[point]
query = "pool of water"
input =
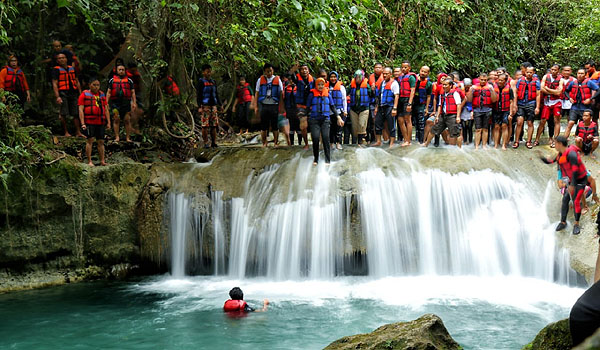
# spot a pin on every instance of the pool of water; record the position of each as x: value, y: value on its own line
x: 165, y: 313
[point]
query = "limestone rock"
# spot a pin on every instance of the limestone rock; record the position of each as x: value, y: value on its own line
x: 555, y: 336
x: 425, y: 333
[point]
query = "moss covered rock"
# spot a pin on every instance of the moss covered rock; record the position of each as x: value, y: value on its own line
x: 425, y: 333
x: 555, y: 336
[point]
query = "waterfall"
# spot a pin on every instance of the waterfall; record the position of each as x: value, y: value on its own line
x: 297, y: 221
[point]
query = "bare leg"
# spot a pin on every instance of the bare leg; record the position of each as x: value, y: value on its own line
x: 205, y: 136
x: 77, y: 123
x: 569, y: 127
x: 504, y: 136
x: 529, y: 131
x: 402, y: 126
x: 213, y: 135
x: 496, y: 135
x: 556, y: 126
x: 101, y: 152
x: 63, y: 121
x: 88, y: 150
x: 127, y: 127
x: 305, y: 138
x: 428, y: 125
x: 276, y: 137
x: 519, y: 129
x: 408, y: 137
x: 263, y: 136
x: 116, y: 123
x: 540, y: 130
x: 484, y: 137
x: 477, y: 138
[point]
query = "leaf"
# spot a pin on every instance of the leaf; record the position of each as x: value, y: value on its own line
x: 62, y: 3
x: 353, y: 10
x: 267, y: 35
x: 297, y: 4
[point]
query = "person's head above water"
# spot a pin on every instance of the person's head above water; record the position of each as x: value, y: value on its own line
x: 236, y: 293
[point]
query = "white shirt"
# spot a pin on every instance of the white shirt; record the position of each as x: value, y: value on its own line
x: 269, y: 100
x: 547, y: 101
x: 566, y: 103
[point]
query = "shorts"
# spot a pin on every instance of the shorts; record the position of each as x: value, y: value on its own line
x: 526, y: 112
x: 402, y: 104
x: 565, y: 113
x: 94, y: 131
x: 586, y: 148
x: 482, y: 119
x: 122, y: 107
x: 209, y: 117
x: 431, y: 118
x: 268, y: 117
x: 69, y: 104
x: 575, y: 115
x: 554, y: 111
x: 501, y: 117
x: 446, y: 121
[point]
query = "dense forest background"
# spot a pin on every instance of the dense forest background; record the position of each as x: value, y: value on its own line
x: 238, y: 36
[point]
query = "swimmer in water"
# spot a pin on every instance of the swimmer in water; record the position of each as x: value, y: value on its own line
x: 237, y: 303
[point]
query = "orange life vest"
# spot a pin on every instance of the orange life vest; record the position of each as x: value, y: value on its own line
x: 67, y: 80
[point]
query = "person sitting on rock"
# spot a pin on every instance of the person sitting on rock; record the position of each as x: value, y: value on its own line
x: 237, y: 304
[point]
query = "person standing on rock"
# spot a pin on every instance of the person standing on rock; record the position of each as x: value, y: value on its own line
x: 528, y: 102
x: 387, y: 107
x: 12, y: 79
x: 360, y: 97
x: 304, y: 83
x: 321, y: 106
x: 268, y: 103
x: 66, y: 90
x: 574, y: 176
x: 121, y: 94
x: 448, y: 113
x: 338, y: 94
x: 94, y: 116
x: 208, y: 104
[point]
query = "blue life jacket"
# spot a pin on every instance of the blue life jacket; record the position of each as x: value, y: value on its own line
x: 421, y: 88
x: 364, y: 94
x: 209, y: 93
x: 336, y: 95
x: 289, y: 97
x: 264, y: 87
x: 320, y: 107
x: 303, y: 89
x: 387, y: 95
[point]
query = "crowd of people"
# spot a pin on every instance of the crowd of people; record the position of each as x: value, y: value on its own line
x: 386, y: 105
x: 393, y: 106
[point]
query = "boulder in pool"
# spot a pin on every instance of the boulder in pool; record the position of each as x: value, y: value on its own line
x: 555, y: 336
x: 425, y: 333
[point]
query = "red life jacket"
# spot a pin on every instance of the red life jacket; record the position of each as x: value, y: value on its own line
x: 567, y: 168
x: 234, y: 305
x: 404, y: 82
x: 586, y: 92
x: 67, y: 80
x: 563, y: 95
x: 449, y: 101
x: 482, y: 97
x: 93, y: 108
x: 504, y: 100
x: 172, y: 88
x: 531, y: 86
x: 585, y: 131
x: 120, y: 85
x: 374, y: 82
x: 14, y: 81
x: 553, y: 85
x: 243, y: 93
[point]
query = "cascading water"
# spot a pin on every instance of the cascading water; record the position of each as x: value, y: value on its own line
x: 295, y: 221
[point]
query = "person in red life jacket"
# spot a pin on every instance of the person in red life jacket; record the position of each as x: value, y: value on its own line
x: 66, y: 90
x: 574, y: 175
x: 505, y: 108
x: 121, y: 95
x: 360, y: 100
x: 375, y: 80
x: 387, y: 107
x: 337, y: 91
x: 321, y: 107
x: 580, y: 92
x: 551, y: 87
x: 448, y: 112
x: 586, y: 134
x: 304, y: 83
x: 12, y: 79
x: 75, y: 60
x: 421, y: 102
x: 237, y: 304
x: 566, y: 73
x: 591, y: 72
x: 52, y: 61
x: 94, y: 117
x: 407, y: 83
x: 170, y: 87
x: 492, y: 77
x: 243, y: 103
x: 528, y: 104
x: 483, y: 97
x: 209, y: 103
x: 268, y: 103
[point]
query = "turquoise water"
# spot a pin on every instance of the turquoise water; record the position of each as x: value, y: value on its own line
x: 162, y: 313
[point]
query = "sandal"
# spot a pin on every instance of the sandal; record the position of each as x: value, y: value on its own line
x: 536, y: 143
x: 515, y: 145
x: 528, y: 144
x: 552, y: 145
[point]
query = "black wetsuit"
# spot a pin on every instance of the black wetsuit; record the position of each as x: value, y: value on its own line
x: 585, y: 315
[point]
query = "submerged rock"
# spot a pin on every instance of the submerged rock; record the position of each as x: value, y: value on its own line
x: 425, y: 333
x: 555, y: 336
